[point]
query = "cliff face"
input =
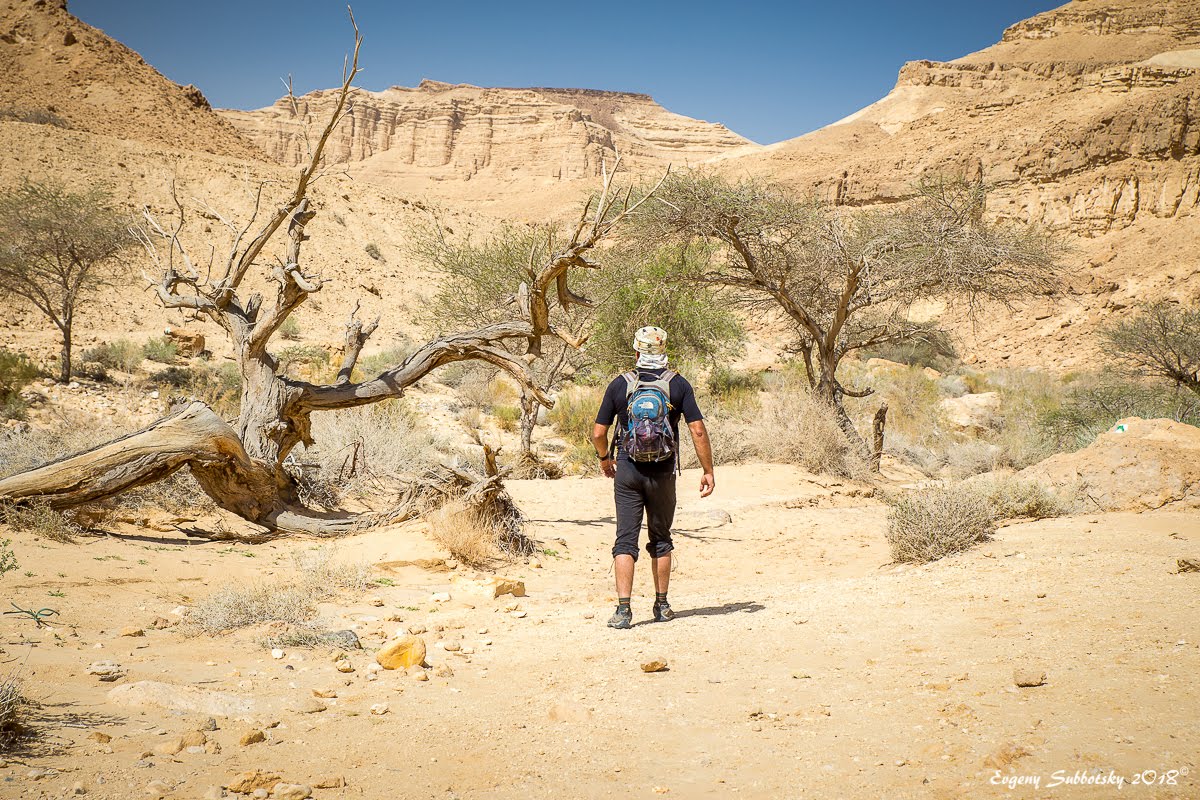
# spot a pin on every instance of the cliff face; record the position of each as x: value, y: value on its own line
x: 1086, y: 119
x: 58, y: 70
x: 501, y: 140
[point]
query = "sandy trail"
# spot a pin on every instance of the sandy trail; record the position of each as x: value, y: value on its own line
x: 800, y: 665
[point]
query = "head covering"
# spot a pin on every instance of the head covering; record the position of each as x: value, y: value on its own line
x: 650, y: 340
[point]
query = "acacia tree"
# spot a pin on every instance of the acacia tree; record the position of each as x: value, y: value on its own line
x: 1161, y: 340
x: 846, y: 279
x: 635, y: 288
x: 58, y: 249
x: 241, y: 466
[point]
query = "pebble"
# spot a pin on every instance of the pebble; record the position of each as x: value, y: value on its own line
x: 379, y: 709
x: 78, y: 788
x: 210, y: 724
x: 416, y: 630
x: 157, y: 788
x: 344, y: 665
x: 309, y: 705
x: 518, y: 614
x: 277, y: 653
x: 1026, y: 678
x: 325, y: 693
x: 421, y: 676
x: 291, y: 791
x: 131, y: 631
x: 657, y: 665
x: 252, y: 737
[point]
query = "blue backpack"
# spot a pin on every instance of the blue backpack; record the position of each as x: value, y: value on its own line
x: 648, y: 435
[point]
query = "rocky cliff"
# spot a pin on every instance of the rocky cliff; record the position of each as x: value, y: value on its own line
x: 1087, y: 120
x: 502, y: 141
x: 62, y: 72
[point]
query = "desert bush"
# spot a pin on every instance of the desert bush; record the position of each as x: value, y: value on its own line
x: 160, y: 349
x: 391, y: 356
x: 1161, y: 340
x: 465, y: 534
x: 484, y: 390
x: 33, y: 116
x: 1093, y: 404
x: 931, y: 349
x: 931, y: 523
x: 16, y: 372
x: 506, y: 417
x: 12, y: 707
x: 353, y: 447
x: 292, y: 601
x: 373, y: 251
x: 122, y: 355
x: 8, y: 559
x: 39, y: 519
x: 1011, y: 497
x: 572, y: 417
x: 303, y: 360
x: 290, y: 329
x: 726, y: 381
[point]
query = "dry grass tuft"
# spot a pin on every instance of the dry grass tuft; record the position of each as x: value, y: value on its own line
x: 1011, y: 497
x: 465, y: 533
x: 931, y: 523
x: 12, y: 707
x: 293, y: 601
x: 38, y: 518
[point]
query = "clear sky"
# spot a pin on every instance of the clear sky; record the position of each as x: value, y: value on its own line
x: 770, y: 70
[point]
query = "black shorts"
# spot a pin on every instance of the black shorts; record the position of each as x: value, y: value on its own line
x: 637, y: 491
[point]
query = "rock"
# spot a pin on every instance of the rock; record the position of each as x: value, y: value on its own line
x: 377, y: 602
x: 519, y: 614
x: 330, y: 782
x: 188, y: 344
x: 277, y: 654
x: 157, y: 789
x: 105, y: 670
x: 451, y: 647
x: 252, y: 737
x: 657, y: 665
x: 191, y: 699
x: 701, y: 520
x: 379, y: 709
x: 1004, y: 756
x: 248, y: 782
x: 439, y: 597
x: 97, y: 736
x: 1188, y: 564
x: 503, y: 586
x: 421, y: 675
x: 194, y: 739
x: 971, y: 413
x: 210, y: 724
x: 1139, y: 464
x: 78, y: 789
x: 344, y: 665
x: 308, y: 705
x: 170, y: 747
x: 291, y: 791
x: 407, y: 651
x: 214, y: 793
x: 444, y: 671
x: 325, y: 693
x: 131, y: 631
x: 161, y: 622
x: 416, y: 630
x: 1028, y: 677
x: 345, y: 639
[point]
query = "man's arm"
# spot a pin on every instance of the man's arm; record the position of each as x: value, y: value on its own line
x: 600, y: 442
x: 704, y: 453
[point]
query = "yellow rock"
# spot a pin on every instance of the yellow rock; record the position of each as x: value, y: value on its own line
x: 407, y: 651
x: 194, y: 739
x: 503, y: 586
x: 132, y: 632
x: 247, y: 782
x: 252, y: 737
x: 657, y: 665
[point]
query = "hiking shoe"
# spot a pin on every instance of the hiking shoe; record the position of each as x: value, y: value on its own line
x: 622, y: 618
x: 663, y: 612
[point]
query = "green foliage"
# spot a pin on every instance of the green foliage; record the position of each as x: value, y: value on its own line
x: 931, y: 523
x: 302, y: 359
x: 122, y: 355
x: 38, y: 518
x: 8, y: 559
x: 1160, y: 340
x: 16, y: 372
x: 506, y: 417
x: 160, y: 349
x: 392, y: 356
x: 219, y: 387
x: 728, y: 381
x: 290, y: 329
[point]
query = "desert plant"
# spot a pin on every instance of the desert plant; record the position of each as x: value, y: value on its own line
x: 290, y: 330
x: 35, y: 116
x: 16, y: 372
x: 846, y: 279
x: 1160, y: 340
x: 937, y: 521
x: 506, y: 417
x: 725, y: 381
x: 1011, y: 497
x: 160, y: 349
x: 1092, y: 405
x: 59, y: 248
x: 41, y: 520
x: 372, y: 250
x: 8, y: 559
x: 12, y: 707
x: 465, y: 534
x: 121, y: 354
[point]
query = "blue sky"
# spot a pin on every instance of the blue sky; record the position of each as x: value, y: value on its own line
x: 768, y: 70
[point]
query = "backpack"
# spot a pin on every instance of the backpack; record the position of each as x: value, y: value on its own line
x: 648, y: 435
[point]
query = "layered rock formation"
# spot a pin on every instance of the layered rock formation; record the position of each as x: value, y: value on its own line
x: 1087, y: 120
x: 60, y: 71
x: 503, y: 141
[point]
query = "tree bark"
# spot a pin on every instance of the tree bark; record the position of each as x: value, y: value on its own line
x: 877, y: 426
x: 64, y: 363
x: 529, y: 414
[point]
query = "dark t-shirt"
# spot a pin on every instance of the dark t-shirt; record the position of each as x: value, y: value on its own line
x: 615, y: 407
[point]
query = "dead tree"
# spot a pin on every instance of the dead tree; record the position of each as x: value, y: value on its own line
x: 240, y: 465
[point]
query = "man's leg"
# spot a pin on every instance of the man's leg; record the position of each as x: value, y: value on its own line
x: 660, y: 514
x: 630, y: 504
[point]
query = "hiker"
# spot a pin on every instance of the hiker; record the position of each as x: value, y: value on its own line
x: 647, y: 403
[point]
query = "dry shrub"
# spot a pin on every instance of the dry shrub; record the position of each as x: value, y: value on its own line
x: 1011, y: 497
x: 572, y: 418
x: 12, y: 707
x: 357, y: 446
x: 292, y: 601
x: 38, y: 518
x: 465, y: 533
x: 506, y: 417
x: 931, y: 523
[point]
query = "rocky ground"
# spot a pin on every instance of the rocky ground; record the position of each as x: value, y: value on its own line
x: 801, y: 664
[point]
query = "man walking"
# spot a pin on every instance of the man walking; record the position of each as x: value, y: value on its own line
x: 647, y: 403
